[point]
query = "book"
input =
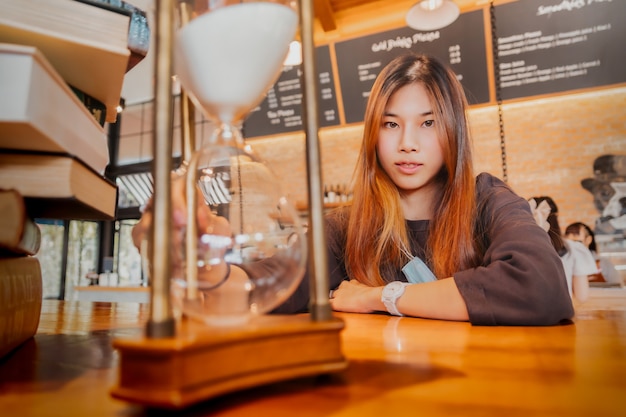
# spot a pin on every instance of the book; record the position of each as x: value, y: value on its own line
x: 97, y: 108
x: 87, y: 45
x: 58, y: 186
x: 138, y: 31
x: 20, y: 301
x: 39, y: 112
x: 19, y: 234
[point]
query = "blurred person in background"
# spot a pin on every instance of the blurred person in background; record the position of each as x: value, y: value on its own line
x: 578, y: 261
x: 582, y: 233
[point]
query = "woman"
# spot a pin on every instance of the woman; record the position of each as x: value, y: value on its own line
x: 582, y: 233
x: 416, y: 199
x: 577, y: 260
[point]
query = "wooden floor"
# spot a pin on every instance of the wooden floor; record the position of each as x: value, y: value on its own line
x: 398, y: 366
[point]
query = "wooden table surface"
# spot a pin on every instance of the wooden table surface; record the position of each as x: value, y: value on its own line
x: 397, y: 367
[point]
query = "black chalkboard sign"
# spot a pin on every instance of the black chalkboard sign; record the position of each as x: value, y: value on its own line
x: 461, y: 45
x: 281, y: 110
x: 548, y: 46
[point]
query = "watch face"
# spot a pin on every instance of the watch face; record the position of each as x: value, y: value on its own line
x: 391, y: 292
x: 393, y: 288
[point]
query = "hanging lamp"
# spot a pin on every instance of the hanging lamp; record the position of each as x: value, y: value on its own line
x: 432, y: 14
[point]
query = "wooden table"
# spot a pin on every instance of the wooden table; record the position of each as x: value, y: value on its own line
x: 397, y: 367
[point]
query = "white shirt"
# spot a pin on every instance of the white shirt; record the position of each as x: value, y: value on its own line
x: 577, y: 261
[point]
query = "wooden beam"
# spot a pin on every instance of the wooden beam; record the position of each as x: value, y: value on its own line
x: 324, y: 13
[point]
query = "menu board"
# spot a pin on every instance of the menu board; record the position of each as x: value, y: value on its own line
x: 461, y: 46
x: 545, y: 46
x: 281, y: 110
x: 548, y: 46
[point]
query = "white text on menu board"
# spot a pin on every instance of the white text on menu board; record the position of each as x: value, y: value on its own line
x: 288, y: 116
x: 518, y: 72
x: 567, y: 6
x: 405, y: 42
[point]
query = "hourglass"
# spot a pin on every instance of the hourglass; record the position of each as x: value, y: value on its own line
x: 254, y: 255
x: 226, y: 58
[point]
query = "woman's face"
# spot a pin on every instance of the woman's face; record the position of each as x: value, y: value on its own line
x: 581, y: 237
x: 408, y: 146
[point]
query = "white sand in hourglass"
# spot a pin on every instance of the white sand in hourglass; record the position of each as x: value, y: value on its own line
x: 228, y: 59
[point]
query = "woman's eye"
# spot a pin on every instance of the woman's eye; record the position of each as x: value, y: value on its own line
x: 390, y: 125
x: 429, y: 123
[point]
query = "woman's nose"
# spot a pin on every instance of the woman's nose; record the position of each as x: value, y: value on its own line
x: 409, y: 141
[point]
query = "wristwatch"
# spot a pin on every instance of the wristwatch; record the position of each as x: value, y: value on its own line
x: 391, y: 293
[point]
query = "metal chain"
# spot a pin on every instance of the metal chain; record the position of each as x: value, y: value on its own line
x: 496, y: 69
x: 240, y: 187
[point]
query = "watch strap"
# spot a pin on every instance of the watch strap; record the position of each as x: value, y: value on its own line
x: 390, y: 301
x: 392, y: 308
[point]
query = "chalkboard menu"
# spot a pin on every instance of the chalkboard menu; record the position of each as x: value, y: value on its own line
x: 461, y: 45
x: 548, y: 46
x: 281, y: 110
x: 545, y: 46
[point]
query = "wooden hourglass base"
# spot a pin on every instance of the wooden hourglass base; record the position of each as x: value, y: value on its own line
x: 203, y: 362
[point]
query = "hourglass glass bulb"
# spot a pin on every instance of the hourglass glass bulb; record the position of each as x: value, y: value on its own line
x: 260, y: 260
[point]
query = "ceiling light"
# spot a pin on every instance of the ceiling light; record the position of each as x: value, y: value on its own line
x: 294, y: 57
x: 432, y: 14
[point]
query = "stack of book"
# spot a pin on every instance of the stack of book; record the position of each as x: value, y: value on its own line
x: 20, y: 273
x: 63, y: 64
x: 91, y: 43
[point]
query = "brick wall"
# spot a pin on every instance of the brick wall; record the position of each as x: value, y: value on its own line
x: 551, y: 144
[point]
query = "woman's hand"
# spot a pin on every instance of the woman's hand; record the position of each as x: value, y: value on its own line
x: 207, y: 222
x: 355, y: 297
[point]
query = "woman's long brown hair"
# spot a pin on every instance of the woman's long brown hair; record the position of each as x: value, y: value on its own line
x: 377, y: 241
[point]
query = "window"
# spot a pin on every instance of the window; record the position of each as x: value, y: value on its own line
x: 69, y: 250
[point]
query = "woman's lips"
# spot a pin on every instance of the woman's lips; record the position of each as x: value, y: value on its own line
x: 408, y: 167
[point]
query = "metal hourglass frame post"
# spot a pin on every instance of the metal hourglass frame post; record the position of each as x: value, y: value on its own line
x: 318, y: 270
x: 188, y: 123
x: 161, y: 322
x: 187, y: 109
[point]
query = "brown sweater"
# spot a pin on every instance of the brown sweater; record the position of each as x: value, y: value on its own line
x: 520, y: 281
